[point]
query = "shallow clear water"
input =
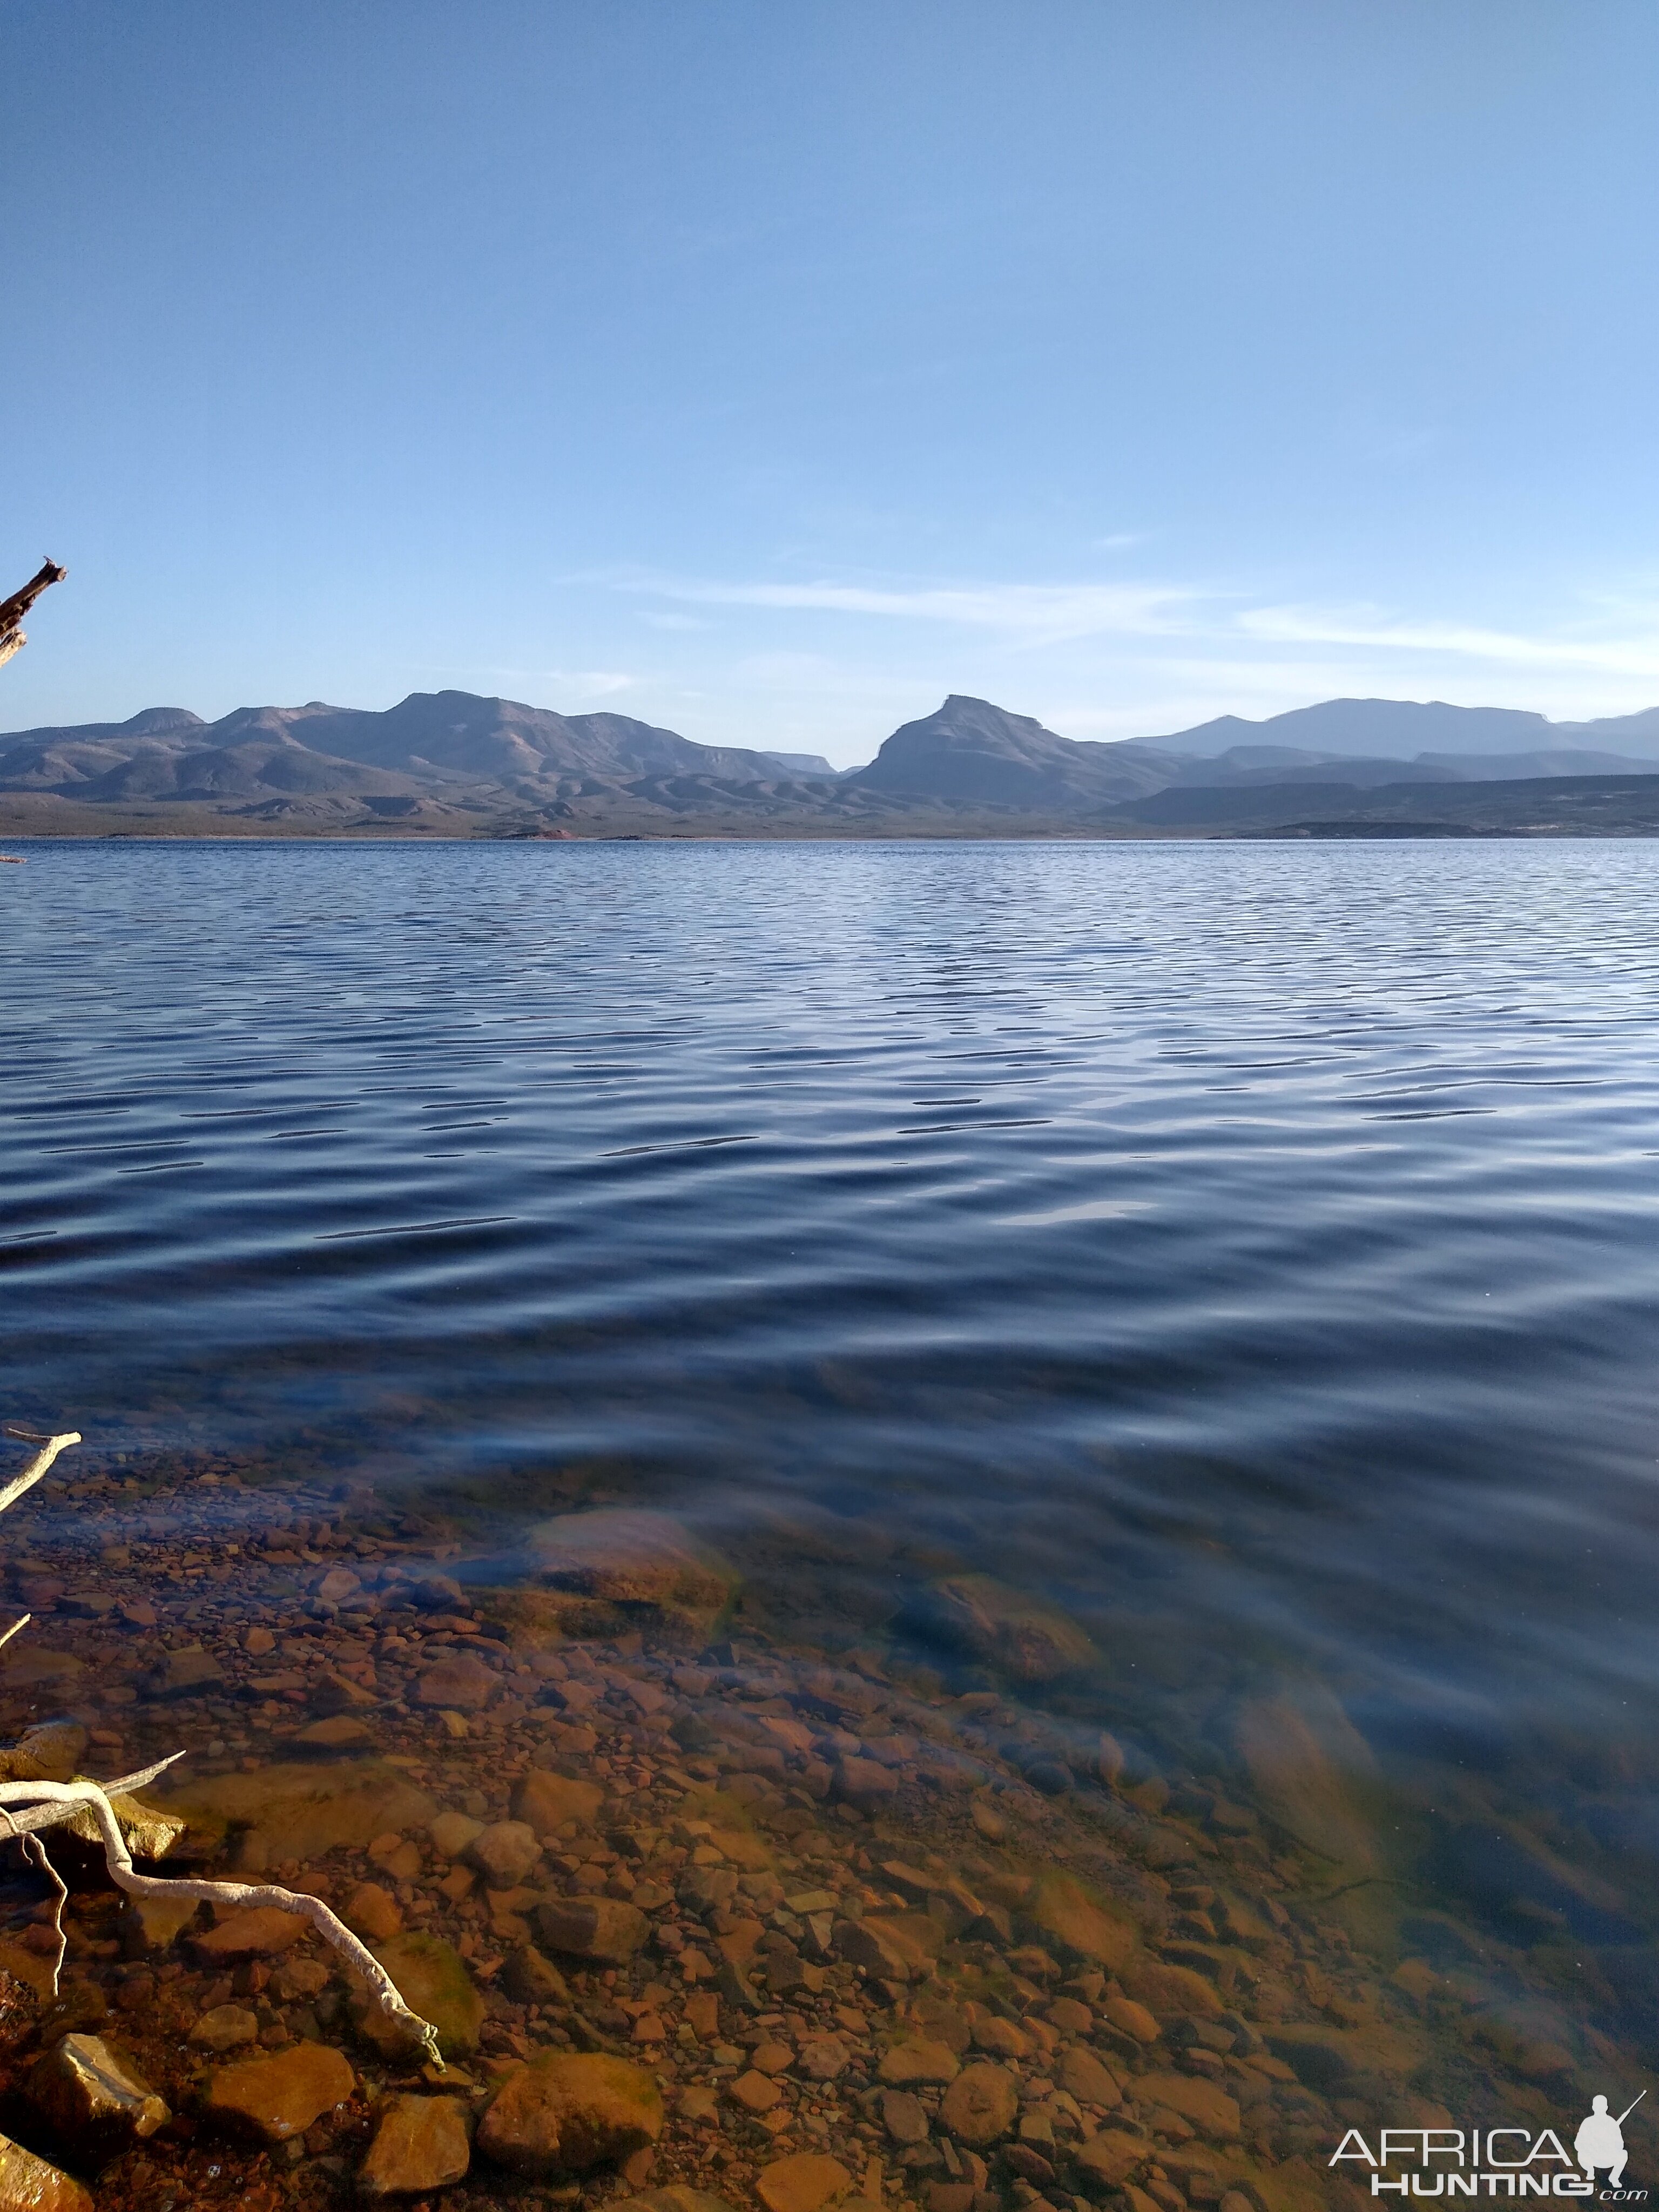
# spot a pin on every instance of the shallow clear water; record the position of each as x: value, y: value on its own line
x: 1255, y: 1247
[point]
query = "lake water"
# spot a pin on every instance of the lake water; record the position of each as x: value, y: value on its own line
x: 1253, y: 1249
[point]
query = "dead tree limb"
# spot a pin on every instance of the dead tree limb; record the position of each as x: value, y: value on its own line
x: 12, y: 611
x: 28, y: 1807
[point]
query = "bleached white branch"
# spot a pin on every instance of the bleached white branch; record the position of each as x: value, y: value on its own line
x: 33, y: 1818
x: 25, y: 1807
x: 37, y: 1850
x: 248, y: 1895
x: 51, y: 1446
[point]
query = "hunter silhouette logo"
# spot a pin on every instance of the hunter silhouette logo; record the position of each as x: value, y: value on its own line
x: 1499, y: 2161
x: 1600, y: 2141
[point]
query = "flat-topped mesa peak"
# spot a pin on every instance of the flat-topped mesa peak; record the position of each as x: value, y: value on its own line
x: 157, y: 721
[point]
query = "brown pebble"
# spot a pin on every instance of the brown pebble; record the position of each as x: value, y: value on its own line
x: 372, y: 1912
x: 755, y: 2092
x: 801, y: 2184
x: 910, y: 2063
x: 257, y: 1933
x: 981, y: 2103
x: 904, y: 2117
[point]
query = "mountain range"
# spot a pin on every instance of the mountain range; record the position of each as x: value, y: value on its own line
x: 451, y: 763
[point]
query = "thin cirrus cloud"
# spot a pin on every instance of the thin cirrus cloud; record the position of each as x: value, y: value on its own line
x: 1045, y: 614
x: 1367, y: 628
x: 593, y: 683
x: 1203, y: 620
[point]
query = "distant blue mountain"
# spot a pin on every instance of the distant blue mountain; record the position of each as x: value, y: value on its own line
x: 453, y: 761
x: 1405, y: 729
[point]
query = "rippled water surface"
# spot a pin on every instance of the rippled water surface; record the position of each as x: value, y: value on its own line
x: 1254, y: 1248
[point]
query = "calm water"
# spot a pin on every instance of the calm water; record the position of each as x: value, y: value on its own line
x: 1255, y: 1248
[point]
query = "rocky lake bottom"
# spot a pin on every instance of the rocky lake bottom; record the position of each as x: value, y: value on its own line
x: 703, y: 1914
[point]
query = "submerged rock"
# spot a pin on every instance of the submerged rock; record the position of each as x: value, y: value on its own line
x: 505, y: 1852
x: 980, y: 2105
x: 1082, y: 2076
x: 1129, y: 2018
x: 28, y: 2184
x: 50, y: 1753
x: 1110, y: 2157
x: 421, y: 2144
x: 1199, y: 2102
x: 907, y: 2063
x: 452, y: 1832
x: 225, y: 2027
x: 431, y: 1978
x: 372, y: 1912
x: 602, y: 1931
x: 21, y: 1964
x: 675, y: 2199
x: 185, y: 1671
x: 462, y: 1684
x: 544, y: 1802
x: 1019, y: 1635
x: 313, y: 1808
x: 25, y: 2019
x: 566, y: 2113
x: 36, y: 1669
x: 151, y: 1924
x: 91, y: 2097
x: 1067, y: 1915
x: 1164, y: 1989
x: 864, y: 1783
x: 328, y: 1739
x: 279, y: 2096
x: 150, y: 1832
x: 532, y: 1979
x: 646, y: 1563
x: 801, y: 2184
x: 259, y: 1932
x: 1313, y: 1774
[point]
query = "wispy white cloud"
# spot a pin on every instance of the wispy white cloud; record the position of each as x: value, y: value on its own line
x: 594, y: 683
x: 1373, y: 630
x: 598, y: 683
x: 1038, y: 613
x: 1623, y: 641
x: 1137, y: 655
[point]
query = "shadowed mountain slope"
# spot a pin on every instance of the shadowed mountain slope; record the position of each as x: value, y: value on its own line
x: 972, y: 753
x: 455, y: 764
x: 493, y: 740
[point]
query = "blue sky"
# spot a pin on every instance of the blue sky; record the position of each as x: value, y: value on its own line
x: 768, y: 371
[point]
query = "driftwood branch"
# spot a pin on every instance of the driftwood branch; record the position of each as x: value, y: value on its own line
x: 125, y: 1875
x: 35, y: 1850
x: 51, y: 1446
x: 25, y: 1807
x: 12, y: 611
